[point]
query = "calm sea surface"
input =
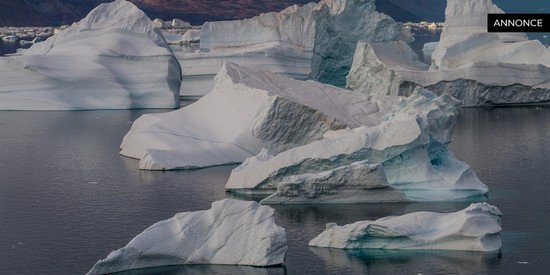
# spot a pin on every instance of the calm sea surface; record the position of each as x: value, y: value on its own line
x: 67, y: 198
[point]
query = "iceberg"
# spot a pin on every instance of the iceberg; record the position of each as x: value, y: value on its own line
x: 280, y: 42
x: 311, y: 41
x: 112, y: 59
x: 293, y: 26
x: 427, y: 50
x: 464, y: 19
x: 476, y: 228
x: 247, y: 110
x: 180, y: 24
x: 474, y: 66
x: 159, y: 23
x: 232, y: 232
x: 339, y: 26
x: 401, y: 157
x: 192, y: 36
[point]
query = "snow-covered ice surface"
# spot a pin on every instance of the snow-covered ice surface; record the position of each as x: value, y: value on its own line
x: 403, y: 157
x: 428, y: 49
x: 232, y: 232
x: 280, y: 42
x: 340, y: 24
x: 314, y: 40
x: 200, y: 68
x: 464, y: 18
x: 192, y: 36
x: 476, y: 228
x: 247, y: 110
x: 474, y: 66
x: 112, y: 59
x: 293, y: 26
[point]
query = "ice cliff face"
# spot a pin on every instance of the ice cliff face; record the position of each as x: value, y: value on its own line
x: 466, y: 18
x: 465, y: 41
x: 476, y: 228
x: 294, y: 27
x: 404, y: 157
x: 314, y: 41
x: 246, y: 111
x: 477, y: 68
x: 340, y: 24
x: 232, y: 232
x: 112, y: 59
x: 280, y: 42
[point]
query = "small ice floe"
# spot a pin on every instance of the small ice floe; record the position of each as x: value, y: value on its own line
x: 476, y: 228
x: 232, y: 232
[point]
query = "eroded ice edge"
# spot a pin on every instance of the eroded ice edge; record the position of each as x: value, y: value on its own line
x: 474, y: 66
x: 476, y: 228
x: 232, y: 232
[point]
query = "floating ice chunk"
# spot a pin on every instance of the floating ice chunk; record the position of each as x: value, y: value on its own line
x: 427, y: 51
x: 476, y: 228
x: 159, y: 23
x: 464, y: 18
x: 200, y: 68
x: 112, y: 59
x: 394, y: 69
x: 192, y: 36
x: 177, y: 23
x: 407, y: 148
x: 474, y: 66
x: 339, y: 26
x: 246, y: 111
x: 281, y: 42
x: 293, y: 27
x: 355, y: 183
x: 172, y: 38
x: 232, y: 232
x: 316, y: 40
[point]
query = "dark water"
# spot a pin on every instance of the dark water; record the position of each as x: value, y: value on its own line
x: 421, y: 37
x: 7, y: 47
x: 67, y: 199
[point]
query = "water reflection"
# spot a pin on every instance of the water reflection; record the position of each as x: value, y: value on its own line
x: 64, y: 190
x: 414, y: 261
x: 207, y: 269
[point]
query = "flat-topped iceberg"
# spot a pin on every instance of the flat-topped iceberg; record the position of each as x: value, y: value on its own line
x: 293, y: 26
x: 247, y: 110
x: 404, y: 157
x: 232, y: 232
x: 112, y: 59
x: 314, y: 40
x: 280, y: 42
x: 474, y: 66
x: 476, y: 228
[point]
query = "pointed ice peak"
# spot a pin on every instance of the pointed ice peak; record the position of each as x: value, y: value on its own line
x: 466, y: 17
x: 119, y: 14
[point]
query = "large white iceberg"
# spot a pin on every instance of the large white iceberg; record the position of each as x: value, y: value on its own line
x: 474, y: 66
x: 466, y: 18
x: 314, y: 40
x: 232, y: 232
x: 112, y: 59
x: 280, y: 42
x: 404, y: 157
x: 247, y: 110
x: 476, y: 228
x: 339, y: 26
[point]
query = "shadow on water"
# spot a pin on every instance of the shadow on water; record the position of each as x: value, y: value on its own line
x: 207, y: 269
